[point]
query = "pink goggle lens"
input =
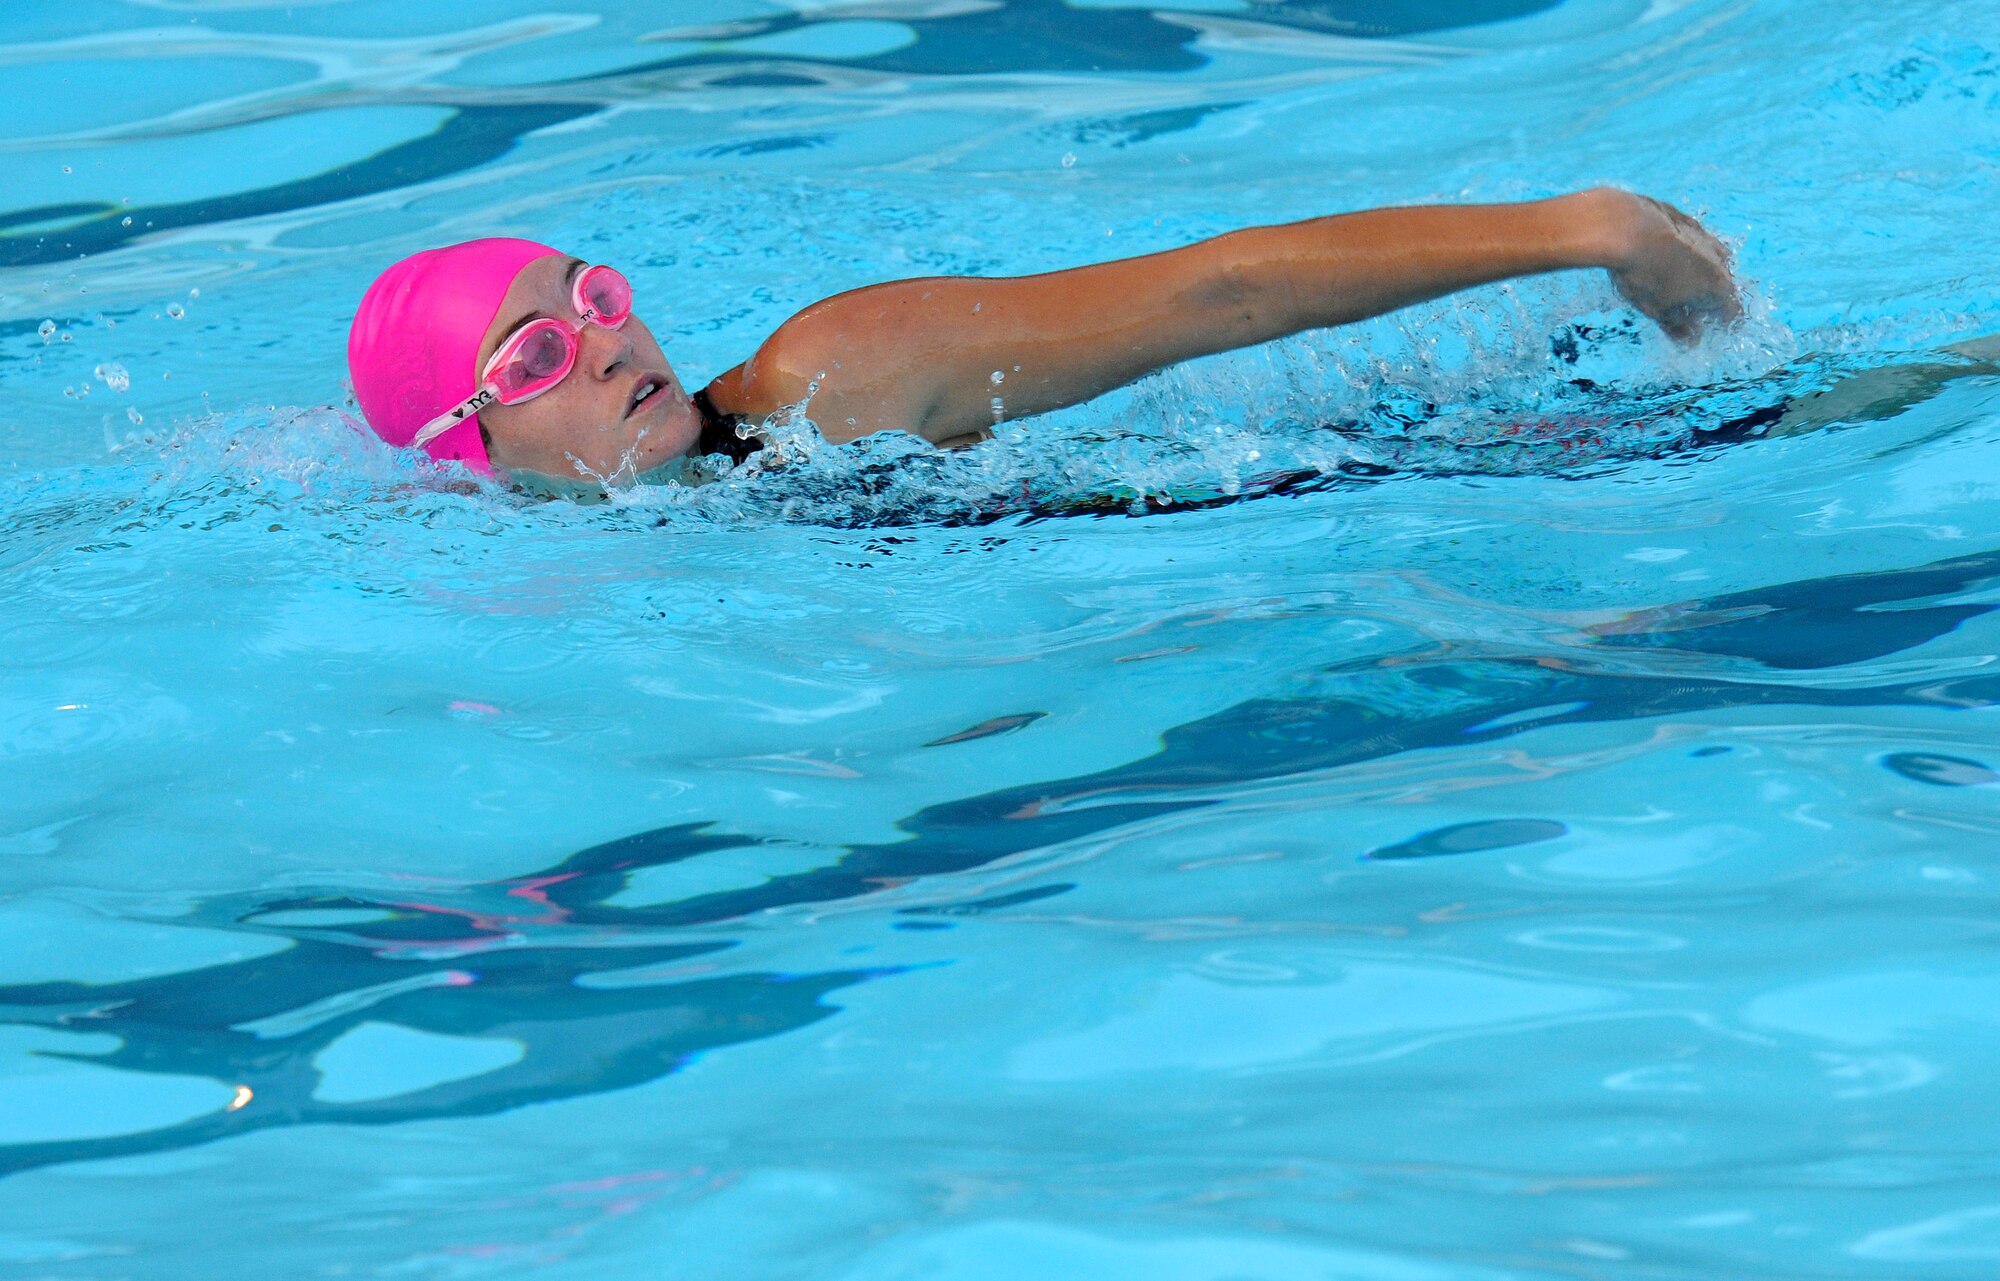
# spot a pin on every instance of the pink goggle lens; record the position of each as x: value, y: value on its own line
x: 533, y: 360
x: 603, y: 297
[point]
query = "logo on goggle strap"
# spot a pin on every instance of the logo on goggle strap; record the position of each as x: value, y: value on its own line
x: 480, y: 400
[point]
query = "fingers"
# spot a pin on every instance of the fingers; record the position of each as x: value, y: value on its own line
x: 1731, y: 309
x: 1722, y: 303
x: 1682, y: 324
x: 1683, y: 279
x: 1695, y: 232
x: 1690, y: 321
x: 1686, y: 314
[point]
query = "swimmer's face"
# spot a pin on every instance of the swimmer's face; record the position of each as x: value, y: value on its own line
x: 587, y: 424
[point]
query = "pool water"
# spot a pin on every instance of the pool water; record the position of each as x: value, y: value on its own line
x: 1411, y: 803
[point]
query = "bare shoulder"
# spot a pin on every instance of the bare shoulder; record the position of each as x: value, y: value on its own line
x: 857, y: 354
x: 781, y: 372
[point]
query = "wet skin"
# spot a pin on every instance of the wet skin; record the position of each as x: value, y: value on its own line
x: 586, y: 425
x: 947, y: 357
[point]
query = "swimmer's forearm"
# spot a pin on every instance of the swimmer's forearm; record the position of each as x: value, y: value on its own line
x: 1350, y: 267
x: 1338, y: 270
x: 1063, y: 338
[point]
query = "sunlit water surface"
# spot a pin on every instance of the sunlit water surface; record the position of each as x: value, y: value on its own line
x: 1403, y: 805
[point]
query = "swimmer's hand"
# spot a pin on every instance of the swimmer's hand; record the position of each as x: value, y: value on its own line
x: 1665, y: 263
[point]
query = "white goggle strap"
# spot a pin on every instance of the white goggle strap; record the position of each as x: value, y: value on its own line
x: 452, y: 417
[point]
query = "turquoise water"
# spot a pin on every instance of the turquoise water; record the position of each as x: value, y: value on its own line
x: 1403, y: 805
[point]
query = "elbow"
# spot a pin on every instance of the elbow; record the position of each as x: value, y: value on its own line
x: 1242, y: 299
x: 1230, y: 286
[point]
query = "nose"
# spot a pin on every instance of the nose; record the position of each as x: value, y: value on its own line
x: 601, y: 351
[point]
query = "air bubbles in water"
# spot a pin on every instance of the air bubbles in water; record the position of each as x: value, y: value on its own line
x: 175, y: 310
x: 114, y: 375
x: 135, y: 416
x: 47, y: 329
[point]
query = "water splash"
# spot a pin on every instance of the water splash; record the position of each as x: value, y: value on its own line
x: 1529, y: 381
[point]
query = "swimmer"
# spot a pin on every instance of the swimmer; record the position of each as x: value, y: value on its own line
x: 510, y: 356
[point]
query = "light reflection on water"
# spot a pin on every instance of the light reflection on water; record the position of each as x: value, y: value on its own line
x: 1404, y: 804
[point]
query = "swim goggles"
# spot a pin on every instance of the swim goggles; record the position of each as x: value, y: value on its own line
x: 541, y: 353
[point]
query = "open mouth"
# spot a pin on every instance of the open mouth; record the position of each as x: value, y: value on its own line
x: 648, y: 388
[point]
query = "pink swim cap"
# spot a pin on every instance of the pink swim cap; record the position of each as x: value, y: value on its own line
x: 413, y: 351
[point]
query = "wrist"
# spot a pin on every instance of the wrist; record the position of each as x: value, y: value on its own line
x: 1602, y: 226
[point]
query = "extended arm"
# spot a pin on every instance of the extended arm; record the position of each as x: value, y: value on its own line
x: 921, y: 355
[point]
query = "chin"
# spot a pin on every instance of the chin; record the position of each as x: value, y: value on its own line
x: 667, y: 441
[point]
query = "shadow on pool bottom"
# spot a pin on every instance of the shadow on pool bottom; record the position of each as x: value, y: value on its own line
x: 513, y: 958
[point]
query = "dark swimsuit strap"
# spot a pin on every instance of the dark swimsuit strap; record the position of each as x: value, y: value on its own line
x: 718, y: 432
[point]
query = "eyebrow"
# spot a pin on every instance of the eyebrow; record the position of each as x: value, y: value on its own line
x: 569, y: 277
